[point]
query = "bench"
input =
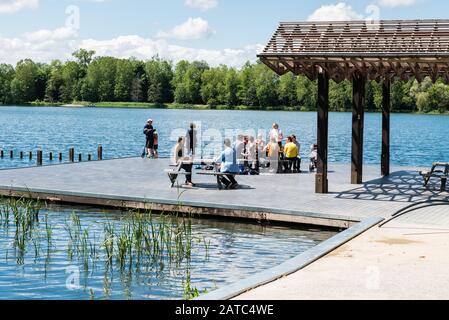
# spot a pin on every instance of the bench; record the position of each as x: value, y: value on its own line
x: 442, y: 174
x: 218, y: 175
x: 173, y: 175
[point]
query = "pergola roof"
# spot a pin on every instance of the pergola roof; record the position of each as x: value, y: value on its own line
x: 383, y: 49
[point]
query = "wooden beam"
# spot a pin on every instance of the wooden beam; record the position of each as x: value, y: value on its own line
x: 386, y: 108
x: 321, y: 182
x: 358, y: 115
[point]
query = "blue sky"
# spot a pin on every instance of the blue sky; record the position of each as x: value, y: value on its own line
x: 219, y: 31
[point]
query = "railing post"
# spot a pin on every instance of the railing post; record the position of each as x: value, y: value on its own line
x: 100, y: 152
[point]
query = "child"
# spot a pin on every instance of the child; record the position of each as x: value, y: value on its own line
x: 155, y: 144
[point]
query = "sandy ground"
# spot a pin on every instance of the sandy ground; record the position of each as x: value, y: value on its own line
x: 397, y: 261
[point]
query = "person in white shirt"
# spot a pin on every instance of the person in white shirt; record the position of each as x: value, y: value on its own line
x: 276, y: 134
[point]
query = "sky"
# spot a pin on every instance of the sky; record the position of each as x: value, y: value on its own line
x: 227, y: 32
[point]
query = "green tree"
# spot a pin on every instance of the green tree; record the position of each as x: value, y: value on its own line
x: 247, y: 92
x: 124, y: 80
x: 24, y: 85
x: 6, y: 77
x: 159, y: 74
x: 287, y: 90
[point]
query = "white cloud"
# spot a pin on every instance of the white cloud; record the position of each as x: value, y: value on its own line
x: 11, y: 6
x: 46, y: 45
x: 396, y: 3
x: 193, y: 28
x: 203, y: 5
x: 338, y: 12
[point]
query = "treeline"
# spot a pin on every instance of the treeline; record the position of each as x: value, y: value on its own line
x: 108, y: 79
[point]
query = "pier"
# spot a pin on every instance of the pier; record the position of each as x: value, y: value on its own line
x: 396, y: 250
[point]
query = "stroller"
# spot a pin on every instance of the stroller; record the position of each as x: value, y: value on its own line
x: 313, y: 157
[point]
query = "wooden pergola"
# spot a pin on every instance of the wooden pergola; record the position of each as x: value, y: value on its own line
x: 358, y: 51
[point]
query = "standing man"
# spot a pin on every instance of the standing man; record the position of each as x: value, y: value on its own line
x: 297, y: 166
x: 148, y: 131
x: 191, y: 139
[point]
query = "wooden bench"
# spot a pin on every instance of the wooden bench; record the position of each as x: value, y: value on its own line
x: 218, y: 175
x: 442, y: 174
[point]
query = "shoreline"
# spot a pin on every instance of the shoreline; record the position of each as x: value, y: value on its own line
x: 200, y: 107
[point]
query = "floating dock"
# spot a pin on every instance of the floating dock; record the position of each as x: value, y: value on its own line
x: 289, y: 198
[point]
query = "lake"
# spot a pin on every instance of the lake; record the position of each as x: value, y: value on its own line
x: 417, y: 140
x: 91, y: 254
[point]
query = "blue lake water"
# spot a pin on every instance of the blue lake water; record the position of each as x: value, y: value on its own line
x: 234, y: 251
x: 416, y: 139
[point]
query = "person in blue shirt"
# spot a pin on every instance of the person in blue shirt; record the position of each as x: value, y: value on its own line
x: 228, y: 161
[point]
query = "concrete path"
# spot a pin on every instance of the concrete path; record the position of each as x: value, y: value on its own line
x: 398, y: 261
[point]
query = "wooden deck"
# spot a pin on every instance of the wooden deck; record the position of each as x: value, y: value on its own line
x: 139, y: 183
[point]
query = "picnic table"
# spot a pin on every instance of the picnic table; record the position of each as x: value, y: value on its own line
x: 174, y: 173
x: 439, y: 170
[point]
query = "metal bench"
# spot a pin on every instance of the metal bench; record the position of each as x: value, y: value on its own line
x: 442, y: 174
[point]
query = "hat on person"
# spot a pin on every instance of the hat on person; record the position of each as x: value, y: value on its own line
x: 150, y: 120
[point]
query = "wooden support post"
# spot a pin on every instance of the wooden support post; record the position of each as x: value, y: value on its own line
x: 100, y: 153
x: 39, y: 157
x: 60, y: 156
x: 21, y: 154
x: 11, y: 154
x: 386, y: 110
x: 321, y: 182
x: 2, y: 154
x: 31, y: 155
x: 51, y: 156
x: 358, y: 117
x: 72, y: 155
x: 89, y: 157
x: 80, y: 157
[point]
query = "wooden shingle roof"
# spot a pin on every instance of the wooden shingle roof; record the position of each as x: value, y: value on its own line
x: 383, y: 49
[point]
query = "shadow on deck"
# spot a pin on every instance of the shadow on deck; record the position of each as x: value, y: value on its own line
x: 401, y: 186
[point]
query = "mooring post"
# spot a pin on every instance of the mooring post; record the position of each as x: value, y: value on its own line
x: 100, y: 153
x: 321, y: 181
x: 39, y: 157
x: 72, y: 154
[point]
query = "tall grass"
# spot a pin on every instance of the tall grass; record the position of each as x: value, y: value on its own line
x: 136, y: 242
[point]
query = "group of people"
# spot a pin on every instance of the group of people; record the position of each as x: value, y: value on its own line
x: 226, y: 162
x: 245, y: 156
x: 152, y: 141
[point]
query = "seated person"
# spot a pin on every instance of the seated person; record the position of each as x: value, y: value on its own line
x: 178, y: 157
x: 313, y: 156
x: 273, y: 151
x: 228, y: 161
x: 291, y: 154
